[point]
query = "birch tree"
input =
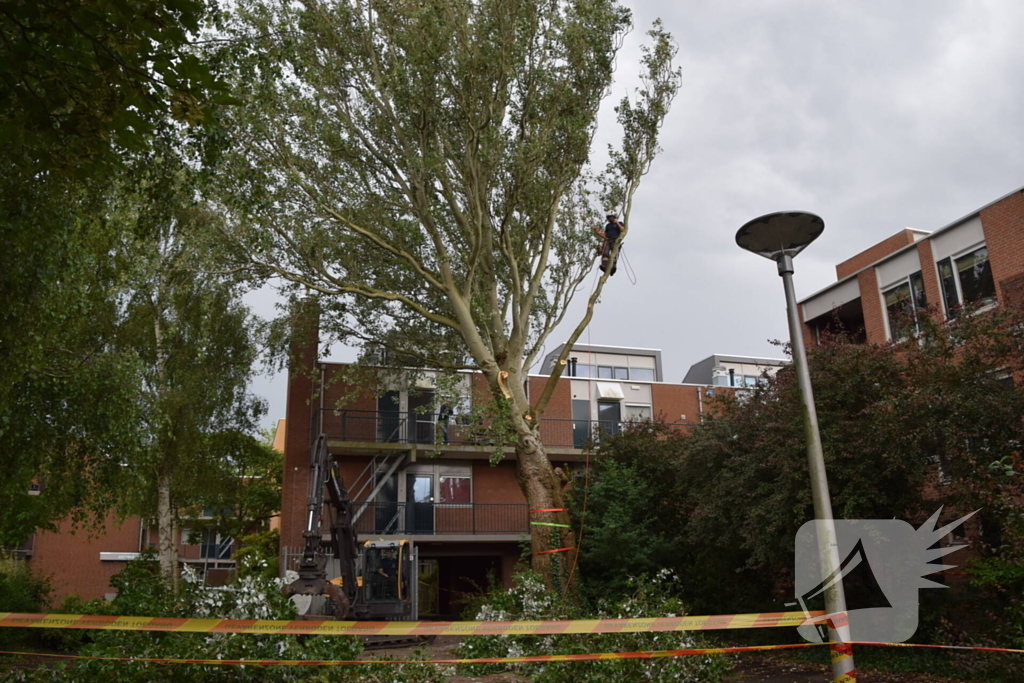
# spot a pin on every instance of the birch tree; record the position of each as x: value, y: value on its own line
x: 195, y: 345
x: 424, y: 167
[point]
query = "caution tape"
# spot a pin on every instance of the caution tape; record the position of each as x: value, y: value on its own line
x: 407, y: 628
x: 564, y: 526
x: 547, y: 510
x: 529, y: 659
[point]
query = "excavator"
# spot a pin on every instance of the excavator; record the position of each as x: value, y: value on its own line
x: 375, y: 580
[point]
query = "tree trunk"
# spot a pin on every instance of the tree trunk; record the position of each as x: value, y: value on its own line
x: 553, y: 548
x: 168, y: 549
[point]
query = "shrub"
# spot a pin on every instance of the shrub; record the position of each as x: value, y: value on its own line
x: 142, y: 592
x: 648, y: 597
x: 258, y: 554
x: 21, y: 591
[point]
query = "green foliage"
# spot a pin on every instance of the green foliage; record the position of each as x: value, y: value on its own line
x: 627, y: 508
x: 20, y: 591
x: 259, y: 554
x: 731, y: 495
x: 243, y: 486
x: 142, y: 592
x: 85, y: 77
x: 647, y: 596
x: 67, y: 398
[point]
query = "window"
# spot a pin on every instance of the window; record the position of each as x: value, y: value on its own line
x: 904, y: 304
x: 455, y: 490
x: 604, y: 372
x: 641, y: 374
x: 609, y: 416
x: 584, y: 370
x: 213, y: 546
x: 636, y: 411
x: 621, y: 373
x: 943, y: 476
x: 210, y: 513
x: 966, y: 279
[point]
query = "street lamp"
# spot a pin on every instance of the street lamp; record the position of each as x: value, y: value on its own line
x: 779, y: 237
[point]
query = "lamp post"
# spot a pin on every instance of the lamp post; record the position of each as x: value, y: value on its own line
x: 779, y: 237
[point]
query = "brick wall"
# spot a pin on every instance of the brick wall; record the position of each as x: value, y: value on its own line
x: 671, y: 402
x: 932, y: 289
x: 301, y: 377
x: 1003, y: 223
x: 495, y: 484
x: 73, y: 559
x: 560, y: 405
x: 874, y: 253
x: 871, y: 304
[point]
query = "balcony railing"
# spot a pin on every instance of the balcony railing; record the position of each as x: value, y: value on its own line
x: 419, y: 428
x: 380, y: 519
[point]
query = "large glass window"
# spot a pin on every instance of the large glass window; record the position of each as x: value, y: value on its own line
x: 904, y: 304
x: 584, y: 370
x: 213, y: 546
x: 609, y: 416
x: 636, y: 411
x: 966, y: 279
x: 455, y: 489
x: 641, y: 374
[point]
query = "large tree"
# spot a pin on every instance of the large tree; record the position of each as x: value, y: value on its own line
x: 83, y: 82
x: 195, y: 344
x: 423, y: 166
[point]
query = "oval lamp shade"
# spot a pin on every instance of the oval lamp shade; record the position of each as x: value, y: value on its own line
x: 783, y: 232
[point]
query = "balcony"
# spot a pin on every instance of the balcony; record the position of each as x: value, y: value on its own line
x: 382, y: 519
x: 370, y: 426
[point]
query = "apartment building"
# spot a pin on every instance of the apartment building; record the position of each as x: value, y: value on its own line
x: 412, y: 475
x: 737, y: 372
x: 881, y: 292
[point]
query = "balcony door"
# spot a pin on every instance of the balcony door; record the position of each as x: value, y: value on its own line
x: 389, y: 420
x: 419, y: 510
x: 609, y: 416
x: 421, y: 416
x: 580, y: 422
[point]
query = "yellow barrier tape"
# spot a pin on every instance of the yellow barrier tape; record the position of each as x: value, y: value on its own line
x: 407, y: 628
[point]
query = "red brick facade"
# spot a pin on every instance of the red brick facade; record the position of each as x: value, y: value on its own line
x: 1004, y: 234
x: 72, y: 559
x: 872, y: 254
x: 1002, y: 227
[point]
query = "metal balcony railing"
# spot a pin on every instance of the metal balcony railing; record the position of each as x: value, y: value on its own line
x: 381, y: 519
x: 408, y: 427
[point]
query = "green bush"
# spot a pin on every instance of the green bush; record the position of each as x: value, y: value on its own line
x: 142, y: 592
x: 258, y: 554
x: 21, y: 591
x: 647, y: 597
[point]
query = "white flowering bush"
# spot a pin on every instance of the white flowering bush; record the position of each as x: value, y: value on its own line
x: 141, y: 592
x: 651, y: 597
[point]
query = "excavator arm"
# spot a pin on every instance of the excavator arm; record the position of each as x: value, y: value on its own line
x: 323, y: 474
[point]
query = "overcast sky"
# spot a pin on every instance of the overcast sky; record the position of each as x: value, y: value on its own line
x: 875, y: 115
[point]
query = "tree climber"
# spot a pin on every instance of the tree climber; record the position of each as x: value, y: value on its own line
x: 612, y: 230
